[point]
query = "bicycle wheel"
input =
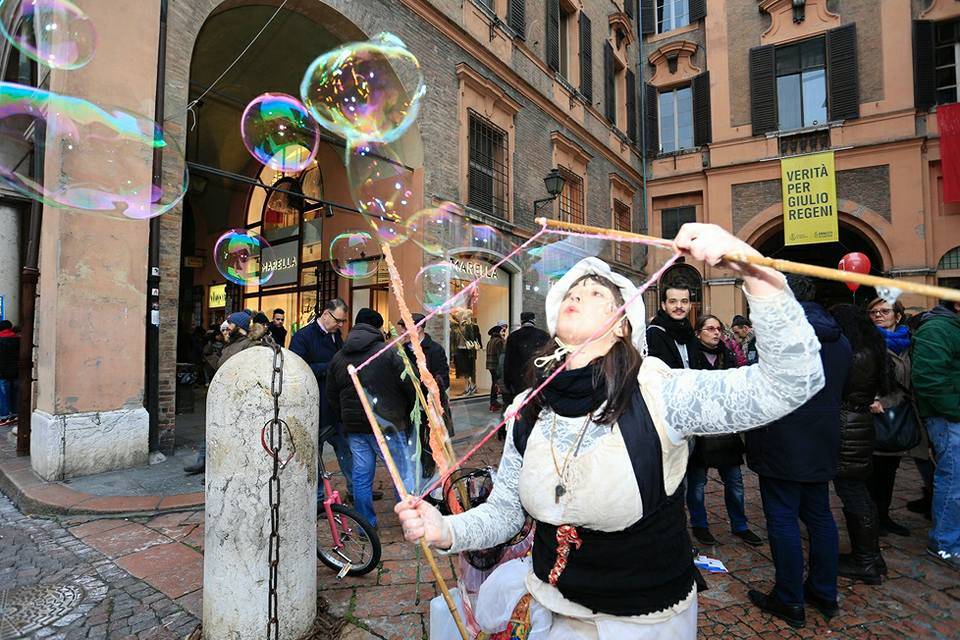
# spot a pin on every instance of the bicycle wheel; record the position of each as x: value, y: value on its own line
x: 359, y: 543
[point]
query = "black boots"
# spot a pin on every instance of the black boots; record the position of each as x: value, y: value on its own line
x: 922, y: 505
x: 864, y: 563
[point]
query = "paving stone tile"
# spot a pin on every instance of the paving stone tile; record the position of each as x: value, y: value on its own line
x: 129, y: 538
x: 192, y: 602
x: 405, y: 627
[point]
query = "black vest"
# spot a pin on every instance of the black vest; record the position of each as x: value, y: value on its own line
x: 642, y: 569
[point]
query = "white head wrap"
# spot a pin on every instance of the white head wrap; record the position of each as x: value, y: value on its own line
x: 635, y: 311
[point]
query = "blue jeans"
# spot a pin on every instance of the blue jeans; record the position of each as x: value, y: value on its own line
x: 363, y: 447
x: 344, y: 458
x: 945, y: 439
x: 732, y: 496
x: 8, y: 404
x: 784, y: 501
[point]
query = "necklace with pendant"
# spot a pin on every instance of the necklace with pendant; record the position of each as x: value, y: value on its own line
x: 560, y: 489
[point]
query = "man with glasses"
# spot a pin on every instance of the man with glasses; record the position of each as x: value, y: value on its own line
x: 317, y: 343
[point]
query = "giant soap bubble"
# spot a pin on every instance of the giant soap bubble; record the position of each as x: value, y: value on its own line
x: 55, y: 33
x: 279, y: 133
x: 238, y: 255
x: 383, y: 186
x: 367, y: 91
x: 98, y: 158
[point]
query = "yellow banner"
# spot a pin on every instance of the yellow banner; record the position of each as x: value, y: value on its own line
x: 809, y: 199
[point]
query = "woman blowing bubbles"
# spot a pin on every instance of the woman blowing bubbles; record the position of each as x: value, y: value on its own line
x: 596, y: 459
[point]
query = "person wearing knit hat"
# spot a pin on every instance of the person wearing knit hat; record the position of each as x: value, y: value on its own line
x: 597, y: 458
x: 742, y: 329
x: 370, y: 317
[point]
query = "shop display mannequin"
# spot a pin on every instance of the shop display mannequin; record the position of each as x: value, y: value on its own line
x: 465, y: 342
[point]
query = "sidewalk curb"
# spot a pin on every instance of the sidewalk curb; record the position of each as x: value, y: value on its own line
x: 33, y: 495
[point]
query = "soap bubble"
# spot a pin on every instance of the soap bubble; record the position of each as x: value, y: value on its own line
x: 355, y: 255
x: 279, y: 133
x: 383, y: 187
x: 438, y: 229
x: 439, y: 287
x: 97, y: 158
x: 238, y: 256
x: 366, y: 91
x: 546, y: 262
x: 55, y: 33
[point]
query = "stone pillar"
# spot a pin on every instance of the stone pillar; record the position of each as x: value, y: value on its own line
x: 10, y: 263
x: 89, y: 415
x: 235, y: 571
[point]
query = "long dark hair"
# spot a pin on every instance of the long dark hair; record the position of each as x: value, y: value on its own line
x: 618, y: 367
x: 863, y: 335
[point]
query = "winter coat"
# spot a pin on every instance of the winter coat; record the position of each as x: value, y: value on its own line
x: 717, y: 451
x: 317, y: 348
x: 279, y: 334
x: 518, y: 354
x: 936, y: 365
x: 856, y: 421
x: 9, y: 354
x: 804, y: 446
x: 494, y: 349
x: 391, y: 396
x: 662, y: 344
x: 437, y: 362
x: 899, y: 389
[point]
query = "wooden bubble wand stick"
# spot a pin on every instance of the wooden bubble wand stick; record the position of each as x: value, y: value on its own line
x: 401, y: 489
x: 785, y: 266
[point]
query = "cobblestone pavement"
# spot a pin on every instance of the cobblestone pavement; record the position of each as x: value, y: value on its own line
x: 142, y: 577
x: 54, y: 585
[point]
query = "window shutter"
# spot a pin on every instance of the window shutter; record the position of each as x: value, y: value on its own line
x: 628, y: 8
x: 648, y: 17
x: 516, y: 18
x: 702, y: 133
x: 924, y: 66
x: 651, y: 122
x: 609, y: 97
x: 697, y: 10
x: 843, y: 82
x: 763, y: 89
x: 586, y: 58
x: 553, y: 34
x: 631, y: 106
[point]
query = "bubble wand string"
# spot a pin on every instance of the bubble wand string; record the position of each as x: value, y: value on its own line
x: 401, y: 489
x: 510, y: 415
x: 785, y: 266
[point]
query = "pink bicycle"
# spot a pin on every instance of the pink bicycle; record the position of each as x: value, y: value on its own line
x: 346, y: 542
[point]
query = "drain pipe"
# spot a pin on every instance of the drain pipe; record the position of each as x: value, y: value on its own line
x: 641, y: 68
x: 152, y: 361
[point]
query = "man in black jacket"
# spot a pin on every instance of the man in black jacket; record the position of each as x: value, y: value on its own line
x: 391, y: 397
x: 518, y: 353
x: 670, y: 335
x: 439, y: 366
x: 796, y: 457
x: 9, y: 356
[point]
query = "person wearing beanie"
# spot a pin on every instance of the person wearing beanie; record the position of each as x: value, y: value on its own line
x: 518, y: 353
x: 613, y: 559
x: 742, y: 329
x: 495, y: 346
x: 369, y: 317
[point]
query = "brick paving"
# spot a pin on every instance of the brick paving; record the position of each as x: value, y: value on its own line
x: 152, y: 571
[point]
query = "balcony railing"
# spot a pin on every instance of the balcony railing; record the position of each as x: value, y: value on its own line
x: 795, y: 144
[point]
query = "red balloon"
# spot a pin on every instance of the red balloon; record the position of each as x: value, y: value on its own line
x: 856, y: 262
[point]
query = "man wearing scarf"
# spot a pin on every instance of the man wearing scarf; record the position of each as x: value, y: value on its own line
x: 670, y: 336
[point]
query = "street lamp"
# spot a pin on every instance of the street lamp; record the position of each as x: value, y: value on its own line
x: 553, y: 182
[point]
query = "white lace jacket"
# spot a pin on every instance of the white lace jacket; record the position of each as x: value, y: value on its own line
x: 683, y: 403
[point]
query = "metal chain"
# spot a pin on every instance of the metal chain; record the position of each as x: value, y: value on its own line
x: 275, y: 426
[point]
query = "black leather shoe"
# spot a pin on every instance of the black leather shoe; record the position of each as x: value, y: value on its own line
x: 791, y: 614
x: 749, y: 537
x: 197, y: 467
x: 889, y: 526
x: 824, y: 606
x: 703, y: 535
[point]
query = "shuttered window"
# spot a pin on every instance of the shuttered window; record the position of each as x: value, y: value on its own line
x: 676, y: 119
x: 609, y: 85
x: 802, y: 84
x: 702, y: 133
x: 628, y: 8
x: 631, y: 89
x: 946, y: 61
x: 924, y: 63
x: 651, y: 100
x: 843, y: 78
x: 488, y: 184
x: 586, y: 57
x: 672, y: 219
x: 698, y: 10
x: 571, y: 198
x: 672, y: 14
x: 621, y: 221
x: 553, y: 34
x: 648, y: 17
x: 516, y: 18
x: 763, y: 89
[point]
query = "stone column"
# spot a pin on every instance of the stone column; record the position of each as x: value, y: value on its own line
x: 89, y: 415
x: 10, y: 262
x: 235, y: 571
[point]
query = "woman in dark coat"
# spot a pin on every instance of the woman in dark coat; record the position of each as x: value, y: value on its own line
x: 865, y: 382
x: 495, y: 346
x: 724, y: 453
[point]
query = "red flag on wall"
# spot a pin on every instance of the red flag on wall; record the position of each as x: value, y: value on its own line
x: 948, y: 120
